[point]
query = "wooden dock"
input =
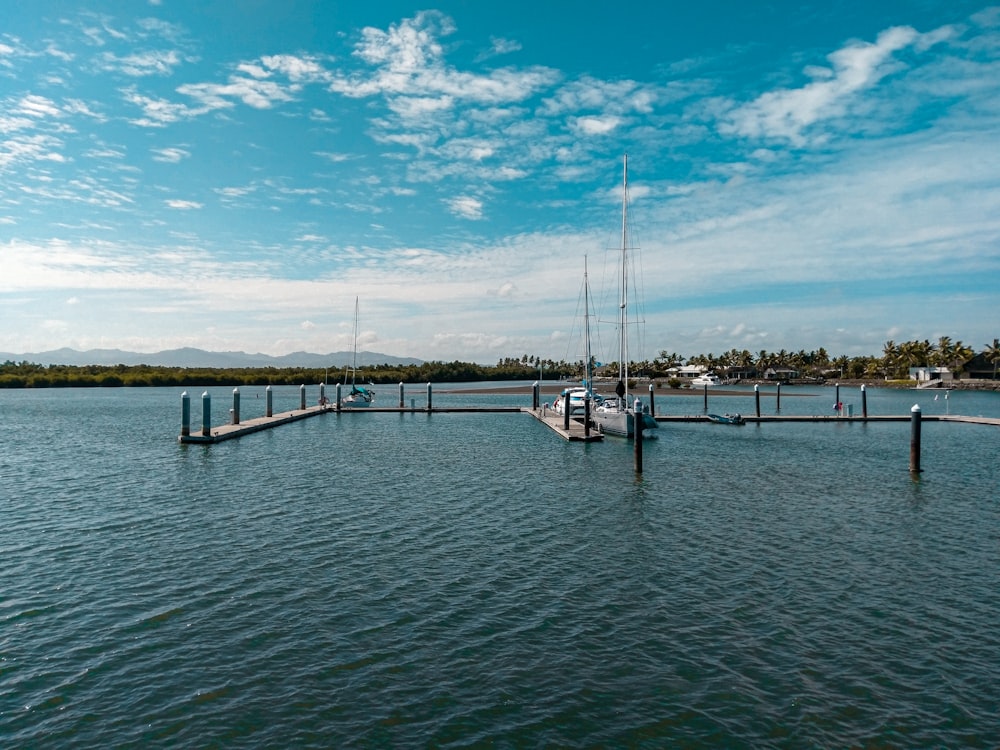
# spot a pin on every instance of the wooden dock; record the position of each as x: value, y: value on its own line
x: 577, y: 432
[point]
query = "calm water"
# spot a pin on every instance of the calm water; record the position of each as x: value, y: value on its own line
x: 453, y: 580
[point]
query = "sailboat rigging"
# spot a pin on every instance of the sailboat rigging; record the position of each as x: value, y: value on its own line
x: 358, y: 396
x: 616, y: 416
x: 579, y: 395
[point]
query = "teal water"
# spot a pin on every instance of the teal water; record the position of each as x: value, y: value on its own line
x: 453, y: 580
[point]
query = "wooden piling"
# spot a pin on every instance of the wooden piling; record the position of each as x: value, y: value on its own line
x: 915, y: 439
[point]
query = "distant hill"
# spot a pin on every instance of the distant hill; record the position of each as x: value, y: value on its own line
x: 199, y: 358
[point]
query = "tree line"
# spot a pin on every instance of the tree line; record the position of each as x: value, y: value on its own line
x: 893, y: 364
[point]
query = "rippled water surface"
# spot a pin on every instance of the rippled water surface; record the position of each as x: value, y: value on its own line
x: 472, y: 580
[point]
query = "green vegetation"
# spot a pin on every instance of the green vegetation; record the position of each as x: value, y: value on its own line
x: 894, y: 364
x: 28, y: 375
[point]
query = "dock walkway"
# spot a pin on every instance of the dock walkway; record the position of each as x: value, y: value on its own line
x: 575, y: 433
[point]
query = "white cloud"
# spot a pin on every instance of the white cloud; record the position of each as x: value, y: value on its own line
x: 182, y: 204
x: 789, y: 113
x: 466, y: 207
x: 170, y: 155
x: 139, y: 64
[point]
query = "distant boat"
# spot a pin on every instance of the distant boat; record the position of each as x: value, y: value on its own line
x: 359, y: 396
x: 706, y: 378
x: 727, y: 418
x: 617, y: 416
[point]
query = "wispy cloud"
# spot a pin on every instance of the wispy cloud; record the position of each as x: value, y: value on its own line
x: 170, y: 155
x: 183, y: 205
x: 790, y: 113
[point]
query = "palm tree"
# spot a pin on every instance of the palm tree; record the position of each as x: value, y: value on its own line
x: 993, y: 355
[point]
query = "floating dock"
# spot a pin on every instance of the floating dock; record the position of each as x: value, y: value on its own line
x: 575, y: 430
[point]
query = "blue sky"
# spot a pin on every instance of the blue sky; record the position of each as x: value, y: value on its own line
x: 231, y: 175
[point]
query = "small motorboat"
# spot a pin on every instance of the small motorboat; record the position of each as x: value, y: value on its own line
x: 727, y: 418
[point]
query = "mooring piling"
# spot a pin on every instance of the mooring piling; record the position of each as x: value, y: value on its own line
x: 206, y: 413
x: 185, y: 414
x: 268, y: 402
x: 302, y: 396
x: 652, y: 402
x: 756, y: 398
x: 637, y: 420
x: 566, y: 411
x: 236, y: 405
x: 915, y: 439
x: 338, y: 397
x: 534, y: 395
x: 429, y: 395
x: 777, y: 397
x: 864, y: 402
x: 400, y: 394
x: 705, y: 394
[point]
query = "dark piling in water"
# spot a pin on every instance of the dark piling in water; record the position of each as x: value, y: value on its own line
x: 915, y: 439
x: 637, y: 429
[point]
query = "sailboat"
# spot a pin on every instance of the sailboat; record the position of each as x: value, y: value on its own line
x: 358, y: 397
x: 616, y: 416
x: 579, y: 395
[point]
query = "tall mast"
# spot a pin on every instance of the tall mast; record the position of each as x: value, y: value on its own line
x: 622, y: 312
x: 586, y: 326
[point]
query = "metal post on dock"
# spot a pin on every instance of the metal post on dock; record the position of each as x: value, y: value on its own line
x: 652, y: 402
x: 586, y: 416
x: 338, y: 396
x: 268, y: 402
x: 915, y: 439
x: 637, y: 429
x: 705, y: 389
x: 302, y: 397
x: 185, y: 414
x: 864, y: 402
x: 534, y: 395
x: 429, y: 396
x: 756, y: 396
x: 566, y: 411
x: 322, y: 394
x: 836, y: 399
x: 206, y: 413
x: 401, y: 394
x: 236, y: 405
x: 777, y: 396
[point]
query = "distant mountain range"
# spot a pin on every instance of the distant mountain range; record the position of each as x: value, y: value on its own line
x: 200, y: 358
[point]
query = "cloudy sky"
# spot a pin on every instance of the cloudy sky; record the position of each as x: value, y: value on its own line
x: 232, y: 175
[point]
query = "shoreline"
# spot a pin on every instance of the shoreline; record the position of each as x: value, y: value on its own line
x: 642, y: 386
